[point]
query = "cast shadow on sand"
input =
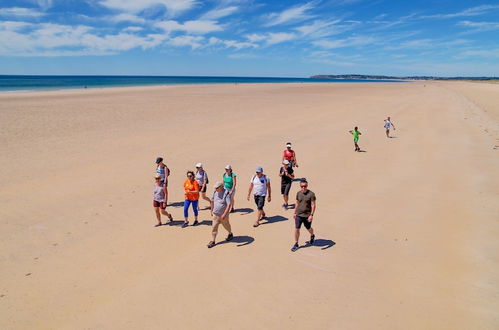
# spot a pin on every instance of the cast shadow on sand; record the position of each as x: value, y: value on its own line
x: 273, y: 219
x: 320, y: 242
x: 239, y: 240
x: 244, y: 210
x: 176, y: 204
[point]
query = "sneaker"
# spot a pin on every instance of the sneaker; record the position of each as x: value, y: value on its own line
x: 211, y: 244
x: 295, y: 247
x: 312, y: 239
x: 195, y: 223
x: 185, y: 224
x: 229, y: 237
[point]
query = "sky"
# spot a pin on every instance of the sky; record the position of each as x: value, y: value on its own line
x: 249, y: 37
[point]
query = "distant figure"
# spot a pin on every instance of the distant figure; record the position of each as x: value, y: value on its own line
x: 159, y: 201
x: 202, y: 179
x: 355, y: 132
x: 191, y: 188
x: 388, y: 124
x: 287, y: 175
x: 304, y: 213
x: 164, y: 172
x: 220, y: 208
x: 260, y: 185
x: 230, y: 181
x: 289, y: 155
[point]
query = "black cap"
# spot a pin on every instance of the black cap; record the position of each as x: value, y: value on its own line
x: 159, y: 160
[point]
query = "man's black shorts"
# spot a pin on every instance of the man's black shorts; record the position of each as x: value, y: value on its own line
x: 299, y: 220
x: 260, y: 202
x: 285, y: 187
x: 201, y: 188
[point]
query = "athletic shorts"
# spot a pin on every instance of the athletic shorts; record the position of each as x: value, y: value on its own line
x: 260, y: 202
x: 299, y: 220
x: 285, y: 187
x: 161, y: 205
x: 355, y: 140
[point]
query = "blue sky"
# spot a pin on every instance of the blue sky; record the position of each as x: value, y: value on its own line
x: 249, y: 37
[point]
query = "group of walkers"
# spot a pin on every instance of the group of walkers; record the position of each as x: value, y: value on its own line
x: 355, y: 132
x: 221, y: 203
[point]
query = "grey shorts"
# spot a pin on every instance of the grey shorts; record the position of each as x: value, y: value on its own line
x: 260, y: 202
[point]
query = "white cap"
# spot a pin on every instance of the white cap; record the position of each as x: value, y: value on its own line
x: 217, y: 184
x: 199, y: 165
x: 285, y: 162
x: 228, y: 167
x: 288, y: 144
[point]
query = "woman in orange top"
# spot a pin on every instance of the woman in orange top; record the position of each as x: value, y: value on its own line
x: 191, y: 188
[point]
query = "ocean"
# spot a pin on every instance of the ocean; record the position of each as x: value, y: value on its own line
x: 27, y: 83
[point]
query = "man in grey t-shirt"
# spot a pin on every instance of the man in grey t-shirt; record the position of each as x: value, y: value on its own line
x: 304, y: 213
x: 220, y: 208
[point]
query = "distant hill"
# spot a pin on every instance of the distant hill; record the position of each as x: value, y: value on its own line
x: 375, y: 77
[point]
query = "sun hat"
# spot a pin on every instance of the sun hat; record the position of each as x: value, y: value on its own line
x: 259, y: 169
x: 285, y: 162
x: 159, y: 160
x: 288, y: 144
x: 199, y: 165
x: 217, y: 184
x: 228, y: 167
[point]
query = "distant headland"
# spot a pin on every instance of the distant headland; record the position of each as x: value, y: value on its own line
x: 377, y: 77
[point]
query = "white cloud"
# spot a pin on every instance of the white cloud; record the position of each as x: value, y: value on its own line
x: 473, y: 11
x: 134, y: 6
x: 219, y: 13
x: 489, y: 53
x: 292, y: 15
x: 190, y: 41
x: 48, y: 39
x: 125, y: 17
x: 319, y: 29
x: 275, y: 38
x: 17, y: 12
x: 133, y: 29
x: 348, y: 42
x: 480, y: 26
x: 254, y: 37
x: 196, y: 27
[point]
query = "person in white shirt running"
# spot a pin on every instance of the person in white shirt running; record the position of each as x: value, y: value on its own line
x: 388, y: 125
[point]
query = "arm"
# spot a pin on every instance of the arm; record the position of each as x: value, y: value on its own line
x: 250, y: 189
x: 211, y: 206
x: 311, y: 216
x: 282, y: 171
x: 393, y: 126
x: 227, y: 209
x: 294, y: 159
x: 269, y: 190
x: 292, y: 175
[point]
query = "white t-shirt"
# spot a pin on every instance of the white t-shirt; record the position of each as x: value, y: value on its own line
x: 388, y: 124
x: 260, y: 185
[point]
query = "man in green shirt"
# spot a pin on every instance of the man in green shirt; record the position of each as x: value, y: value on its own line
x: 304, y: 213
x: 355, y: 132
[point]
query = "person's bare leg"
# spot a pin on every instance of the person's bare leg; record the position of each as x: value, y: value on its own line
x: 206, y: 198
x: 311, y: 231
x: 297, y: 235
x: 286, y: 198
x: 387, y: 133
x: 158, y: 216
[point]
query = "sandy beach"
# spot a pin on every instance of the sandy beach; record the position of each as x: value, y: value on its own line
x: 407, y: 230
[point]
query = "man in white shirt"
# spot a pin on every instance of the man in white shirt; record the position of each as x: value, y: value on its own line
x: 260, y: 185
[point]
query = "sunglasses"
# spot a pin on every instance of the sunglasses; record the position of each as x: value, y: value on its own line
x: 303, y: 186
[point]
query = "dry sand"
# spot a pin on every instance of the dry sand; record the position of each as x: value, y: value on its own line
x: 414, y: 219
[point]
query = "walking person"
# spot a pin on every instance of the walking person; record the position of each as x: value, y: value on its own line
x: 388, y: 125
x: 304, y: 213
x: 202, y: 179
x: 164, y: 172
x: 230, y: 181
x: 159, y: 201
x: 289, y: 155
x: 220, y: 208
x: 191, y: 188
x: 260, y: 186
x: 355, y: 132
x: 287, y: 175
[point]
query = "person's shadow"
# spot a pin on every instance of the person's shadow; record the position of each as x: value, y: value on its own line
x: 176, y: 204
x: 244, y: 211
x: 239, y: 240
x: 274, y: 219
x: 205, y: 223
x: 322, y: 243
x: 362, y: 150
